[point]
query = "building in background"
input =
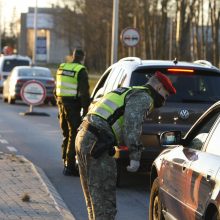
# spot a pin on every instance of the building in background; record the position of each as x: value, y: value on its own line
x: 50, y: 48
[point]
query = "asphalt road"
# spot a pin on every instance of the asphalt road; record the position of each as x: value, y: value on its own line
x: 39, y: 138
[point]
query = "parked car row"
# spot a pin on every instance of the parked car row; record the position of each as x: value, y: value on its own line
x: 20, y: 75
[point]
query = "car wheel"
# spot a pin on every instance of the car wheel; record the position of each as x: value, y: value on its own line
x: 216, y: 216
x: 155, y: 210
x: 5, y: 99
x: 53, y: 102
x: 46, y: 101
x: 11, y: 100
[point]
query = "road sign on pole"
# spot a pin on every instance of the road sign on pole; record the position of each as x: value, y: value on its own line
x: 33, y: 93
x: 130, y: 37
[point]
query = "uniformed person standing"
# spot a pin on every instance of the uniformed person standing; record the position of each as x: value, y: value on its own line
x: 72, y: 95
x: 116, y: 118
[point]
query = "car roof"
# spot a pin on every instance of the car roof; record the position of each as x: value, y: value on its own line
x: 136, y: 63
x: 14, y: 56
x: 31, y: 67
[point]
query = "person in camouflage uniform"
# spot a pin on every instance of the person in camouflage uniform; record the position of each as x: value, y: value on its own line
x: 117, y: 118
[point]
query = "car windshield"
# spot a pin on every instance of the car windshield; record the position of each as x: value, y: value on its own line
x: 200, y: 86
x: 10, y: 64
x: 34, y: 72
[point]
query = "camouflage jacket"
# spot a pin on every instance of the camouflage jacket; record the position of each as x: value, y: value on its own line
x: 137, y: 107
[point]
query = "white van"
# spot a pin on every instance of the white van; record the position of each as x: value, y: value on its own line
x: 8, y: 62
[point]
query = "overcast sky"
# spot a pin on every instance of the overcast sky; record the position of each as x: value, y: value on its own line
x: 9, y: 8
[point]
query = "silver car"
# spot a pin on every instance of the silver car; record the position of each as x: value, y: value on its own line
x: 21, y: 74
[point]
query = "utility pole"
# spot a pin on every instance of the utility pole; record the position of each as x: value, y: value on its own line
x: 35, y: 34
x: 114, y: 49
x: 0, y: 27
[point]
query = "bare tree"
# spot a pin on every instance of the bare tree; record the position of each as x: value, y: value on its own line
x: 168, y: 28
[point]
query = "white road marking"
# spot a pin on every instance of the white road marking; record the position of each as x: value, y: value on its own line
x: 43, y: 125
x: 6, y: 131
x: 12, y: 149
x: 3, y: 141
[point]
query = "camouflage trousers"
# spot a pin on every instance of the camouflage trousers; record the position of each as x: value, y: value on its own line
x: 98, y: 179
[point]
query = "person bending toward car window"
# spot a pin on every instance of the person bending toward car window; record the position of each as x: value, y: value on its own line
x: 116, y: 118
x: 72, y: 95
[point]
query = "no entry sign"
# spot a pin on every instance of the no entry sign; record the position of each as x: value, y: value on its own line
x: 33, y: 92
x: 130, y: 37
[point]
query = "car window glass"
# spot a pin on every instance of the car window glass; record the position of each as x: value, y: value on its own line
x: 118, y: 80
x: 113, y: 78
x: 198, y: 139
x: 34, y: 73
x: 99, y: 88
x: 8, y: 65
x: 200, y: 86
x: 214, y: 141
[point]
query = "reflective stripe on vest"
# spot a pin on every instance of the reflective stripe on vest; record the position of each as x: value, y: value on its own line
x: 67, y: 79
x: 111, y: 108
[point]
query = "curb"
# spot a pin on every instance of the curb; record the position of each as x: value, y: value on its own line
x: 59, y: 203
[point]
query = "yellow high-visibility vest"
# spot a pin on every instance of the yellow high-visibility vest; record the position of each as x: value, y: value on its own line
x: 111, y: 108
x: 67, y: 79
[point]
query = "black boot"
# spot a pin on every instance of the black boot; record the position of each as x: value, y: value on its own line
x: 70, y: 169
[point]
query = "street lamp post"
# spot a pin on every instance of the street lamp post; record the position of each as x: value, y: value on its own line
x: 35, y: 34
x: 114, y: 49
x: 0, y: 28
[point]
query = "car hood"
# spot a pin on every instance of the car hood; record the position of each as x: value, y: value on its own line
x: 174, y: 116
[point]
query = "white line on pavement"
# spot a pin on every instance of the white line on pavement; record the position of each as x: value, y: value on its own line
x: 3, y: 141
x: 12, y: 149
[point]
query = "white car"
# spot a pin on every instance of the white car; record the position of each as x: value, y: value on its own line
x: 20, y: 75
x: 197, y: 84
x: 8, y: 62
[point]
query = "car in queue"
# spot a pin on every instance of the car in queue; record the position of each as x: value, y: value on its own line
x: 8, y: 62
x: 20, y: 75
x: 197, y: 84
x: 185, y: 177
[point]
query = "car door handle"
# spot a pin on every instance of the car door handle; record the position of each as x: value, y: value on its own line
x: 184, y: 168
x: 208, y: 177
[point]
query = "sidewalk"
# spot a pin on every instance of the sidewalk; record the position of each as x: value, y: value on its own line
x: 26, y: 193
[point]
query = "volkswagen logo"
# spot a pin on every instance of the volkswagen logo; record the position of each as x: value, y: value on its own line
x: 184, y: 114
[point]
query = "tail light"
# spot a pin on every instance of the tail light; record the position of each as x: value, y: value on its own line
x: 176, y: 70
x: 20, y: 81
x: 50, y: 82
x: 124, y: 148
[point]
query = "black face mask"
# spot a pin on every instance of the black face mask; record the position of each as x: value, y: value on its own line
x: 159, y: 100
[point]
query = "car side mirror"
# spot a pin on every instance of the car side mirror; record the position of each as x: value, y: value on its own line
x: 170, y: 138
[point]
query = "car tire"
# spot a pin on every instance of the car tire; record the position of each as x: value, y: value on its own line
x: 155, y: 209
x: 11, y: 100
x: 5, y: 99
x: 46, y: 101
x: 53, y: 102
x: 216, y: 216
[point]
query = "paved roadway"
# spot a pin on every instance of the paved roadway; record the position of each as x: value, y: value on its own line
x: 38, y: 138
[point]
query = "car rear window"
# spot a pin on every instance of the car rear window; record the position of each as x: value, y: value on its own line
x: 34, y: 72
x: 199, y: 86
x: 8, y: 65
